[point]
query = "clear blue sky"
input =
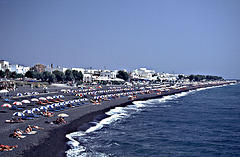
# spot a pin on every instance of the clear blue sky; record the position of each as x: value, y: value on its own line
x: 184, y: 36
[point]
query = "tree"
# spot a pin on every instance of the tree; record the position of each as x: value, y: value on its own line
x: 122, y: 75
x: 29, y: 74
x: 13, y: 75
x: 191, y: 77
x: 7, y: 73
x: 180, y: 77
x: 52, y: 78
x: 2, y: 74
x: 38, y: 75
x: 78, y: 76
x: 19, y: 76
x: 69, y: 75
x: 59, y: 75
x: 46, y: 75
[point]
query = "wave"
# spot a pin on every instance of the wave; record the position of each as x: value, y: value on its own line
x: 78, y: 150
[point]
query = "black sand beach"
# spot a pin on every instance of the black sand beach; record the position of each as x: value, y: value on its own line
x: 52, y: 141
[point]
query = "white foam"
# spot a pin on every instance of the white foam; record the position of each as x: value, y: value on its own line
x: 73, y: 143
x: 139, y: 104
x: 106, y: 121
x: 116, y: 110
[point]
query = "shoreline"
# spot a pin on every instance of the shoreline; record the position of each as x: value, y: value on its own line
x: 52, y: 140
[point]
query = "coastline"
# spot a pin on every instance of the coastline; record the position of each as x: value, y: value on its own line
x: 52, y: 140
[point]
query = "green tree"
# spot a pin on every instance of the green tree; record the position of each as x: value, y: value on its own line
x: 52, y: 78
x: 46, y: 75
x: 191, y: 77
x: 29, y: 74
x: 7, y: 73
x: 19, y: 76
x: 69, y: 75
x: 180, y: 77
x: 78, y: 76
x: 59, y: 75
x: 38, y: 75
x: 122, y: 75
x: 2, y: 74
x: 13, y: 75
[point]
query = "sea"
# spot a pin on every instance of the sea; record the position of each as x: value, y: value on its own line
x: 202, y: 122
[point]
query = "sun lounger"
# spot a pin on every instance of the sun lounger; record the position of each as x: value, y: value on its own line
x: 15, y: 108
x: 59, y: 100
x: 30, y: 133
x: 13, y: 121
x: 27, y: 118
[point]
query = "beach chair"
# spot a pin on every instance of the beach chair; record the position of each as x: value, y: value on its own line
x: 60, y: 100
x: 27, y: 118
x: 15, y: 108
x: 41, y: 103
x: 32, y: 115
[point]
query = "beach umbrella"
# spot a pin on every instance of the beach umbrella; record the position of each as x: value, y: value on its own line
x: 63, y: 115
x: 19, y: 94
x: 35, y: 109
x: 34, y: 99
x: 67, y: 102
x: 61, y: 96
x: 27, y: 93
x: 56, y: 105
x: 17, y: 103
x: 43, y: 108
x: 27, y: 111
x: 42, y: 98
x: 7, y: 105
x: 18, y: 114
x: 55, y: 96
x: 26, y: 101
x: 49, y: 97
x: 35, y: 93
x: 50, y: 106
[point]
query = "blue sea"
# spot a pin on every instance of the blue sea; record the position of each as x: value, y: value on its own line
x: 203, y: 122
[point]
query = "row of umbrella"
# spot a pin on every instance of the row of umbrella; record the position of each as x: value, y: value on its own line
x: 27, y: 101
x: 18, y: 103
x: 27, y: 93
x: 47, y: 107
x: 22, y: 114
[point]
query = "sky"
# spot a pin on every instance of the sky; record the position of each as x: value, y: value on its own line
x: 180, y: 36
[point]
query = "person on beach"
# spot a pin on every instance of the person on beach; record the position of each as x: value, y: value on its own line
x: 17, y: 134
x: 47, y: 114
x: 60, y: 120
x: 7, y: 147
x: 28, y: 129
x: 37, y: 127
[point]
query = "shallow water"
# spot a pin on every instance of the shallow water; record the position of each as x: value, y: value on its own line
x: 196, y: 123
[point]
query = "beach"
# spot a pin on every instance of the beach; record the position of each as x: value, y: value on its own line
x: 52, y: 141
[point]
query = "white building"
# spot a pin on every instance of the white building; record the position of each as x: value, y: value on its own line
x: 108, y: 74
x: 142, y: 73
x: 58, y: 68
x: 87, y: 78
x: 4, y: 65
x: 19, y: 69
x: 168, y: 77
